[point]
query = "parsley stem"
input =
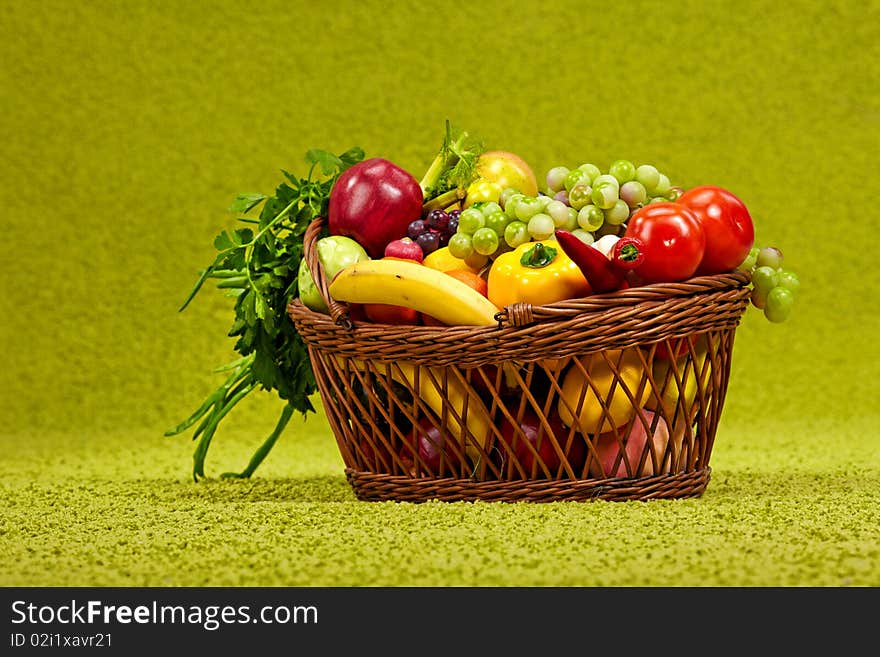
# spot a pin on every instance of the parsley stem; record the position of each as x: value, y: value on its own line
x: 237, y: 394
x: 249, y: 247
x: 265, y: 448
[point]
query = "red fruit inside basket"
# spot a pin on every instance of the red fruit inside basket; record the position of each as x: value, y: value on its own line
x: 531, y: 441
x: 676, y: 346
x: 385, y: 313
x: 612, y: 461
x: 436, y: 450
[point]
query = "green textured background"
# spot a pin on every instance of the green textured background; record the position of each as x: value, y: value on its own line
x: 128, y: 127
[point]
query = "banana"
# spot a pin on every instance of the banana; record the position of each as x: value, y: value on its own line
x: 413, y: 285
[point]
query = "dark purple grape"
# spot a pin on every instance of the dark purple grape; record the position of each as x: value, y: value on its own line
x: 454, y: 214
x: 444, y: 239
x: 452, y: 226
x: 429, y: 241
x: 415, y: 229
x: 437, y: 219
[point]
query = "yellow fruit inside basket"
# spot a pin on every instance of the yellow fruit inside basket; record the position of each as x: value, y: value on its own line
x: 612, y: 379
x: 443, y: 260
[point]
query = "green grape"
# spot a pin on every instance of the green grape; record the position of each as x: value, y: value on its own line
x: 617, y: 213
x: 648, y: 175
x: 485, y: 241
x: 622, y: 170
x: 572, y: 221
x: 497, y: 221
x: 584, y: 236
x: 470, y: 221
x: 658, y: 199
x: 634, y: 193
x: 604, y: 195
x: 591, y: 170
x: 506, y: 194
x: 572, y: 178
x: 544, y: 201
x: 564, y: 220
x: 556, y: 178
x: 590, y: 218
x: 759, y: 298
x: 511, y: 205
x: 527, y: 208
x: 778, y: 305
x: 541, y: 226
x: 580, y: 195
x: 769, y: 256
x: 460, y: 245
x: 764, y: 279
x: 607, y: 178
x: 749, y: 263
x: 489, y: 207
x: 789, y: 280
x: 558, y: 210
x: 516, y: 233
x: 661, y: 188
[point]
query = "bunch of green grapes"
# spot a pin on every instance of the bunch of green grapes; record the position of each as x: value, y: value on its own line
x: 584, y: 201
x: 773, y: 288
x: 478, y: 236
x: 605, y: 201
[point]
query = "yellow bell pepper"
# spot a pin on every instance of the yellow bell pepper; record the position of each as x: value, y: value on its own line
x: 537, y: 273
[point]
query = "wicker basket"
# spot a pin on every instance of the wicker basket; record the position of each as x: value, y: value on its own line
x: 639, y: 376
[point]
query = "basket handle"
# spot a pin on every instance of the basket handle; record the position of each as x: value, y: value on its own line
x: 339, y: 311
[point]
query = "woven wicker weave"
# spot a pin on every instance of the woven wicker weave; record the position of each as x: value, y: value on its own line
x: 476, y: 385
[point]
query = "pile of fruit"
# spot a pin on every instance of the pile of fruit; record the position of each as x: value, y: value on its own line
x: 479, y: 232
x: 588, y: 231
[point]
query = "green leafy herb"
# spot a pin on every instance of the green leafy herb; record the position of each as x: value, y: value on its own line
x: 258, y: 266
x: 452, y: 170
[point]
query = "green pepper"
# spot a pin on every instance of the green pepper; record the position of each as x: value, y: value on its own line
x: 335, y: 252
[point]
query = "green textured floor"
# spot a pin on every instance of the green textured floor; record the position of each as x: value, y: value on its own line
x: 127, y: 129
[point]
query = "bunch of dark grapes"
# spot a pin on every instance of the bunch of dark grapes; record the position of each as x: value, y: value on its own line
x: 433, y: 232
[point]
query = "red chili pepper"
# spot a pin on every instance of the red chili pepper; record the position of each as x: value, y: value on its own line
x: 604, y: 274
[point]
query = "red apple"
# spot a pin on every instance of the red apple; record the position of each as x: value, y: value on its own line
x: 377, y: 458
x: 434, y: 447
x: 404, y: 249
x: 526, y: 441
x: 634, y: 442
x: 373, y: 202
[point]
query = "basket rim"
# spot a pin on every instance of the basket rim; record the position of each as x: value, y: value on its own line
x: 514, y: 315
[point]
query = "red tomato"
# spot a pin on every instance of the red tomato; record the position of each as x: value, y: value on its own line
x: 730, y: 233
x: 673, y: 240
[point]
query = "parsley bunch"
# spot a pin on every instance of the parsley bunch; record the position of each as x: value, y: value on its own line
x: 258, y: 265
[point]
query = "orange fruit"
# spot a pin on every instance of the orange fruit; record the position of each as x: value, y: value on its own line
x: 471, y: 278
